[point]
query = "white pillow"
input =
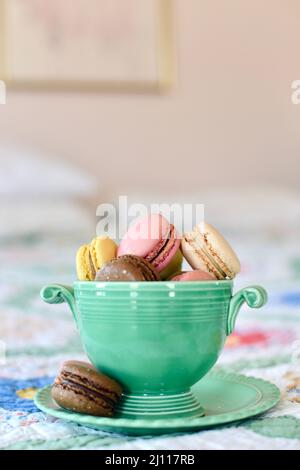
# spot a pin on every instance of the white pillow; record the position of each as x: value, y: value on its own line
x: 30, y: 173
x: 19, y: 218
x: 263, y: 209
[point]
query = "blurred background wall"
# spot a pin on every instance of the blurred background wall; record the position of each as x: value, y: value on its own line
x: 228, y: 119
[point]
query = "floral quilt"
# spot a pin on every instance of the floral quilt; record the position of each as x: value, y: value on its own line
x: 36, y: 338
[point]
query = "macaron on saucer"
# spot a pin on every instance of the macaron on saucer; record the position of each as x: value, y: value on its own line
x: 81, y: 388
x: 226, y: 397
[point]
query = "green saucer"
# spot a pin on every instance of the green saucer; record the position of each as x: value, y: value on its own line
x: 226, y: 397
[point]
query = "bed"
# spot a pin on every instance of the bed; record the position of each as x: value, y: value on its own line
x: 35, y: 338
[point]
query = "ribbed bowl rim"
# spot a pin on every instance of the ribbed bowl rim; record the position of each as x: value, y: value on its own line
x: 154, y: 286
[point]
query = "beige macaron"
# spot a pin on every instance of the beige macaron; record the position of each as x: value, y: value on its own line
x: 206, y: 249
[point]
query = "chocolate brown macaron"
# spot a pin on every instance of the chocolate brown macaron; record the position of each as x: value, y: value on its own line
x: 127, y: 268
x: 81, y: 388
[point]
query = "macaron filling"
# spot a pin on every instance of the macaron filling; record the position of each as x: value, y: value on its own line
x: 213, y: 256
x: 221, y: 274
x: 92, y: 266
x: 164, y: 250
x: 146, y: 270
x: 68, y: 384
x: 209, y: 260
x: 85, y: 384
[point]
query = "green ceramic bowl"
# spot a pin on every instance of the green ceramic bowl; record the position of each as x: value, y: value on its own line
x: 156, y: 338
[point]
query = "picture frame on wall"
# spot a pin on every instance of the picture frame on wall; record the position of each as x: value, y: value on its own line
x: 99, y: 44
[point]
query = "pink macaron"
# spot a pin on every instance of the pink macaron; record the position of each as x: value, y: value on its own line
x: 194, y: 276
x: 152, y: 238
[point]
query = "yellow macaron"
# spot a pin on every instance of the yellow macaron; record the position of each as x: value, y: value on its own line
x: 91, y: 258
x: 84, y: 264
x: 102, y: 250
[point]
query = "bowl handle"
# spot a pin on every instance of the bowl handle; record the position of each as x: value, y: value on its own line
x: 254, y: 296
x: 57, y: 294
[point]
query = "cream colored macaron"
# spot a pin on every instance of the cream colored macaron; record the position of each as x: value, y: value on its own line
x: 206, y: 249
x: 91, y: 258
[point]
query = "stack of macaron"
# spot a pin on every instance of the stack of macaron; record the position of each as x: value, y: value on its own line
x: 152, y: 250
